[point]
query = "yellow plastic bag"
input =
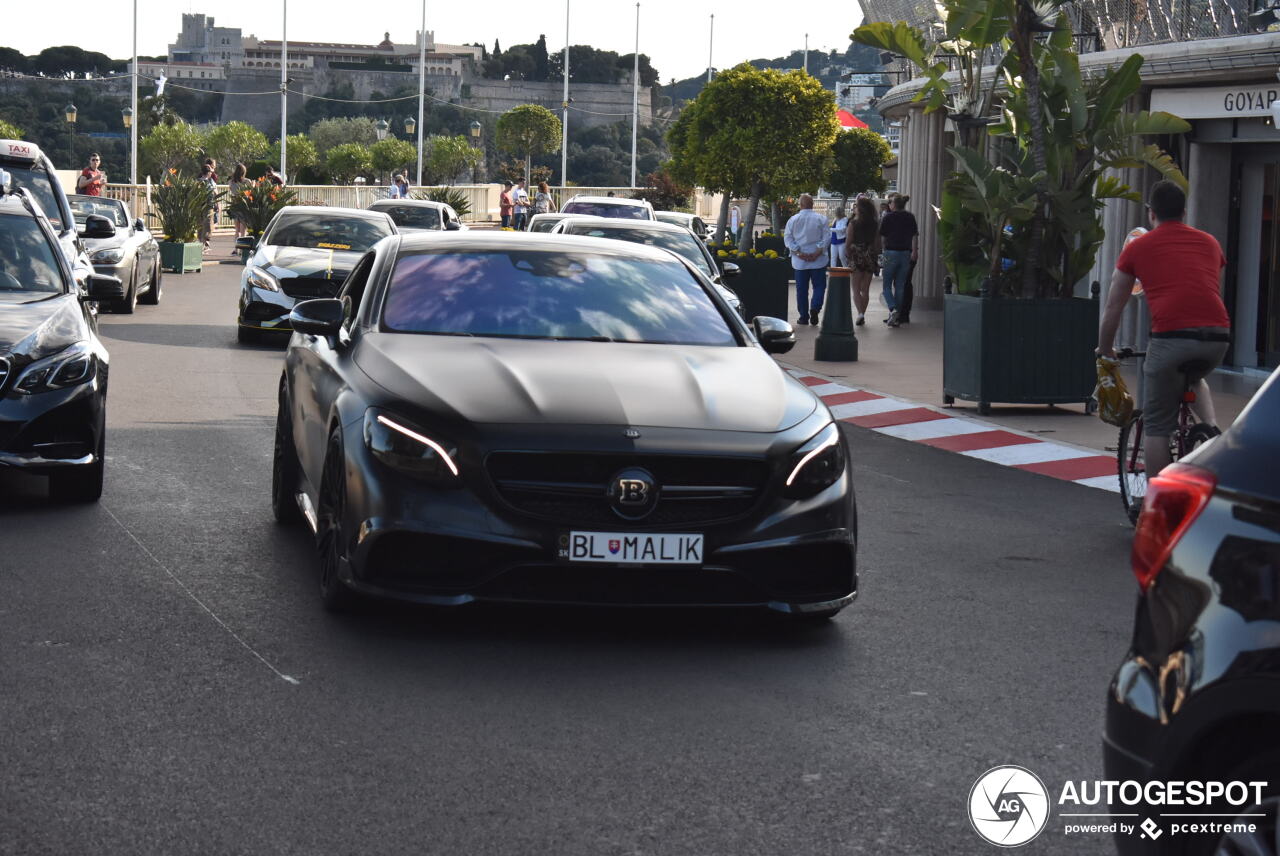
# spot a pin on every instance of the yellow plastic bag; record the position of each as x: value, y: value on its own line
x: 1115, y: 404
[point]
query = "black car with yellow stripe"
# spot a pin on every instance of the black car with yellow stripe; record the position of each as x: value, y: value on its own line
x: 306, y: 252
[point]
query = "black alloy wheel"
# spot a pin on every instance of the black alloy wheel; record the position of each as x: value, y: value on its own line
x: 331, y: 539
x: 284, y: 468
x: 130, y: 300
x: 152, y: 297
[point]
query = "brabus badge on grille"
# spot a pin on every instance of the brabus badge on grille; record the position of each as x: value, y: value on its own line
x: 631, y: 434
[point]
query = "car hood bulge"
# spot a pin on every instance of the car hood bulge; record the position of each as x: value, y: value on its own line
x: 35, y: 325
x: 519, y: 381
x: 284, y: 262
x: 94, y: 244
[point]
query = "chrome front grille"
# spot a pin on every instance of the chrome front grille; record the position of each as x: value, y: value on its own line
x: 5, y: 366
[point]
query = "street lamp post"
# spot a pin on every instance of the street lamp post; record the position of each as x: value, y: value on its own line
x: 409, y: 124
x: 381, y: 127
x: 70, y: 112
x: 475, y: 128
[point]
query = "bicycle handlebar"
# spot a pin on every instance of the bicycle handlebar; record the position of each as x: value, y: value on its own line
x: 1125, y: 353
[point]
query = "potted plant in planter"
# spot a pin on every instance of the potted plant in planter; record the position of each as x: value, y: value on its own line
x: 181, y: 204
x: 761, y: 282
x: 1017, y: 237
x: 770, y: 241
x: 255, y: 206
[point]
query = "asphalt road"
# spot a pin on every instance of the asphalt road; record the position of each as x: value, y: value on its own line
x: 169, y: 683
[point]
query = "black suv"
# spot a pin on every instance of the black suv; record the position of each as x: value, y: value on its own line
x: 1198, y: 696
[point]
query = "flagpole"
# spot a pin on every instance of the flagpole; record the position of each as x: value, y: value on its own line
x: 635, y: 98
x: 564, y: 122
x: 136, y: 120
x: 284, y: 93
x: 422, y: 86
x: 711, y: 40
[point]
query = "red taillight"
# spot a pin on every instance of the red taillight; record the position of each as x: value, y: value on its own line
x: 1174, y: 499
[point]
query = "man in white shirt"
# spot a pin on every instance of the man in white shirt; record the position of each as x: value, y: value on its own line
x: 807, y: 238
x: 520, y: 197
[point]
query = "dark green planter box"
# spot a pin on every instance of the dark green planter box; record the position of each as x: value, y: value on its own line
x: 180, y: 258
x: 762, y: 284
x: 775, y: 243
x: 1018, y: 351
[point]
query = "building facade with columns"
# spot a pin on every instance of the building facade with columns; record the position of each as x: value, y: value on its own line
x: 1213, y: 73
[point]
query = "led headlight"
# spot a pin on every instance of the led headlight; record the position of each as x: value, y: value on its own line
x: 107, y: 257
x: 815, y: 465
x: 401, y: 445
x: 68, y: 367
x: 259, y: 278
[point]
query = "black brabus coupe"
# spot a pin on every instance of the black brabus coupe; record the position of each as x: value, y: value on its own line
x: 480, y: 417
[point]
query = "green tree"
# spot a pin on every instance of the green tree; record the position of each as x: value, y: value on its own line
x: 70, y: 61
x: 529, y: 130
x: 15, y: 61
x: 169, y: 147
x: 762, y: 131
x: 329, y: 133
x: 392, y: 154
x: 10, y: 131
x: 235, y: 142
x: 858, y: 157
x: 302, y: 153
x: 348, y: 160
x: 450, y: 156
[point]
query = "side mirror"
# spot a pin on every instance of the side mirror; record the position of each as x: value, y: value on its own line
x: 320, y: 317
x: 102, y: 287
x: 775, y: 335
x: 452, y: 226
x: 248, y: 242
x: 730, y: 269
x: 97, y: 226
x: 139, y: 226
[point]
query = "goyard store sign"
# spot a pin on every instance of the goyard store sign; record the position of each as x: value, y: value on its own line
x: 1217, y: 102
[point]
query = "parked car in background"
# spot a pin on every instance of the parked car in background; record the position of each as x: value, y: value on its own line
x: 53, y: 368
x: 119, y: 248
x: 31, y: 169
x: 692, y: 222
x: 420, y: 215
x: 1197, y: 698
x: 609, y: 206
x: 562, y: 420
x: 305, y: 252
x: 547, y: 222
x: 677, y: 239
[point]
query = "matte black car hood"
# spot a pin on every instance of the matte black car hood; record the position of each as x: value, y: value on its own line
x: 37, y: 324
x: 521, y: 381
x: 284, y: 262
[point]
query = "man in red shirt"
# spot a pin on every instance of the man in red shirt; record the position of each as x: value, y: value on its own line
x: 1181, y: 272
x: 91, y: 179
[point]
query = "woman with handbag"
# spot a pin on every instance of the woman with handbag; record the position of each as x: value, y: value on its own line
x: 862, y: 249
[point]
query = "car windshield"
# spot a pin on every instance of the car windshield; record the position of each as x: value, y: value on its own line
x: 546, y: 224
x: 607, y: 209
x: 354, y: 234
x: 82, y: 207
x: 34, y: 178
x: 27, y: 260
x: 673, y: 219
x: 552, y: 295
x: 413, y: 216
x: 683, y: 243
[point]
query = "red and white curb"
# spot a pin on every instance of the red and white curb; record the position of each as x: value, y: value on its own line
x: 909, y: 420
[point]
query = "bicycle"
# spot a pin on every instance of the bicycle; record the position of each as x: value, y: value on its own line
x: 1189, y: 435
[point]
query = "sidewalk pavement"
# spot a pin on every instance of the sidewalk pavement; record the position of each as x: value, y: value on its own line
x: 895, y: 387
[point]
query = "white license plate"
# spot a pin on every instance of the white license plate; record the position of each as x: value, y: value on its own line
x: 632, y: 548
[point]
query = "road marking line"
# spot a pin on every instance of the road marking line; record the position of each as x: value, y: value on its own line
x: 1111, y: 483
x: 1076, y: 468
x: 848, y: 397
x: 1029, y: 453
x: 823, y: 389
x: 287, y: 678
x: 984, y: 439
x: 897, y: 417
x: 866, y: 408
x: 926, y: 431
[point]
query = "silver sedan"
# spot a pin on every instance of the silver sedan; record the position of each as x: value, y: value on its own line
x: 119, y: 248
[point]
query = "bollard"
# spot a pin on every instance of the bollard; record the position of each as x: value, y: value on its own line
x: 836, y: 341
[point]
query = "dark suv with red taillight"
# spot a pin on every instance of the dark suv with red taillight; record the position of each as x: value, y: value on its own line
x: 1198, y: 696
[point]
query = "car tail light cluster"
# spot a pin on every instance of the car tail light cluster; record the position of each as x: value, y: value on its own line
x: 1174, y: 499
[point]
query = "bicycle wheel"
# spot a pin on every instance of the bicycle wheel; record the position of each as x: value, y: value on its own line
x: 1195, y: 437
x: 1132, y: 466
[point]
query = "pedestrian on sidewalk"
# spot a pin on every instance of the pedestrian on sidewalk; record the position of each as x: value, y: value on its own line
x: 238, y: 184
x: 505, y: 204
x: 543, y: 203
x: 838, y: 229
x: 210, y: 207
x: 91, y: 179
x: 901, y: 237
x: 274, y: 177
x: 862, y: 246
x: 808, y: 238
x: 520, y: 198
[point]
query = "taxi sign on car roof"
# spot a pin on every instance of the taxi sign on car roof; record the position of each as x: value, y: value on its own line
x: 19, y: 150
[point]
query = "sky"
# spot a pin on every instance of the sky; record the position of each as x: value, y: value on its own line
x: 674, y: 33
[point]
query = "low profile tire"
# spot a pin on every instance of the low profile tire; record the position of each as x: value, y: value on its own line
x: 82, y: 484
x: 152, y: 297
x: 1265, y: 840
x: 331, y: 536
x: 130, y: 300
x: 284, y: 470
